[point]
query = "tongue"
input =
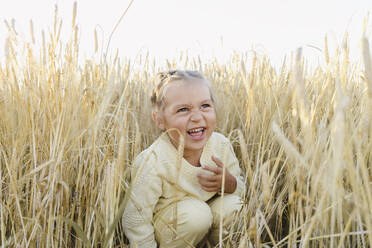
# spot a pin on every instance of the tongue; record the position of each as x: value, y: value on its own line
x: 196, y: 134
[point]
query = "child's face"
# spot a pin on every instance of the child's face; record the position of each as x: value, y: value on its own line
x: 188, y: 107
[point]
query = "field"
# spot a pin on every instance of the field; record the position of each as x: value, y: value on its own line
x: 69, y: 132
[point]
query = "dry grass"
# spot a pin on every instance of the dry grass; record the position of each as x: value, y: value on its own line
x: 69, y: 132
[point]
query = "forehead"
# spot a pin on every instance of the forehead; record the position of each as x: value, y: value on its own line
x: 186, y: 92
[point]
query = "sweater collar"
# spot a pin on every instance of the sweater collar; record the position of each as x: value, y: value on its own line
x: 172, y: 152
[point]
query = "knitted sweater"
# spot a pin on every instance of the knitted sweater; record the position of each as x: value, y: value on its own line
x: 162, y: 178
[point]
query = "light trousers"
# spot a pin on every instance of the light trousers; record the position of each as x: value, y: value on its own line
x: 187, y: 222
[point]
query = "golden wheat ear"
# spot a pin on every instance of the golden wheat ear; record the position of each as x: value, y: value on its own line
x: 71, y: 128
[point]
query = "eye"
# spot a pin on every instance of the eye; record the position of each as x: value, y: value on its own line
x: 184, y: 109
x: 206, y: 105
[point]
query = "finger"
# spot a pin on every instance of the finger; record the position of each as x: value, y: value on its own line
x: 209, y: 178
x: 210, y: 189
x: 217, y: 161
x: 208, y: 184
x: 216, y: 170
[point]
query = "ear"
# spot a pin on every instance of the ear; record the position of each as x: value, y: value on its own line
x: 158, y: 119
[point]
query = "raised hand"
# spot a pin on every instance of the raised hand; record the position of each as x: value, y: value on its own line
x: 212, y: 182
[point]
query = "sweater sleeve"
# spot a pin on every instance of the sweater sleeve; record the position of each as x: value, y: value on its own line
x: 232, y: 164
x: 146, y: 191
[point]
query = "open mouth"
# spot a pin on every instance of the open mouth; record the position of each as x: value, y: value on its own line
x: 196, y: 133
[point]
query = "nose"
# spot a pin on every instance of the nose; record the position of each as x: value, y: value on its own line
x: 196, y: 116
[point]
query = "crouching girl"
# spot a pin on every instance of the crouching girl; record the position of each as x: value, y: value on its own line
x: 175, y: 201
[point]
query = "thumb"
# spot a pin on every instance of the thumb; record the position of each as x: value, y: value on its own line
x: 217, y: 161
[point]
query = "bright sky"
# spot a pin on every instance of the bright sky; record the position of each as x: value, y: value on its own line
x: 201, y: 27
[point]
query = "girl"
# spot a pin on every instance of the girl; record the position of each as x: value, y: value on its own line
x: 175, y: 200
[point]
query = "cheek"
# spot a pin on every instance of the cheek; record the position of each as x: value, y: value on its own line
x: 212, y: 118
x: 181, y: 130
x: 174, y: 135
x: 179, y: 123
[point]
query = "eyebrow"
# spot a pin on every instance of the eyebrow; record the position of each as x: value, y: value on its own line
x: 186, y: 105
x: 181, y: 105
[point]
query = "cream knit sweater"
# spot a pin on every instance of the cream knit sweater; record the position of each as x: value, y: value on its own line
x: 160, y: 180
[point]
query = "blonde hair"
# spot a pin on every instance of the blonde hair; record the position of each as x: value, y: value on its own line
x: 162, y: 79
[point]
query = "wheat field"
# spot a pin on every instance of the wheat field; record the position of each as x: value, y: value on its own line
x: 69, y: 131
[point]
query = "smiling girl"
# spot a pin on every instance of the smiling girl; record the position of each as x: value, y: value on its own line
x: 176, y: 203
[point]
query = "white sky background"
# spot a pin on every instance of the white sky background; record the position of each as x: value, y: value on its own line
x: 210, y: 28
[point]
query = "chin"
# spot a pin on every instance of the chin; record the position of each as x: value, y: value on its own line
x: 196, y: 145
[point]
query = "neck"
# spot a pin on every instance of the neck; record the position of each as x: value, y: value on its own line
x: 193, y: 157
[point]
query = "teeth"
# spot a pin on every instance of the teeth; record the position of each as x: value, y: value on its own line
x: 196, y: 130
